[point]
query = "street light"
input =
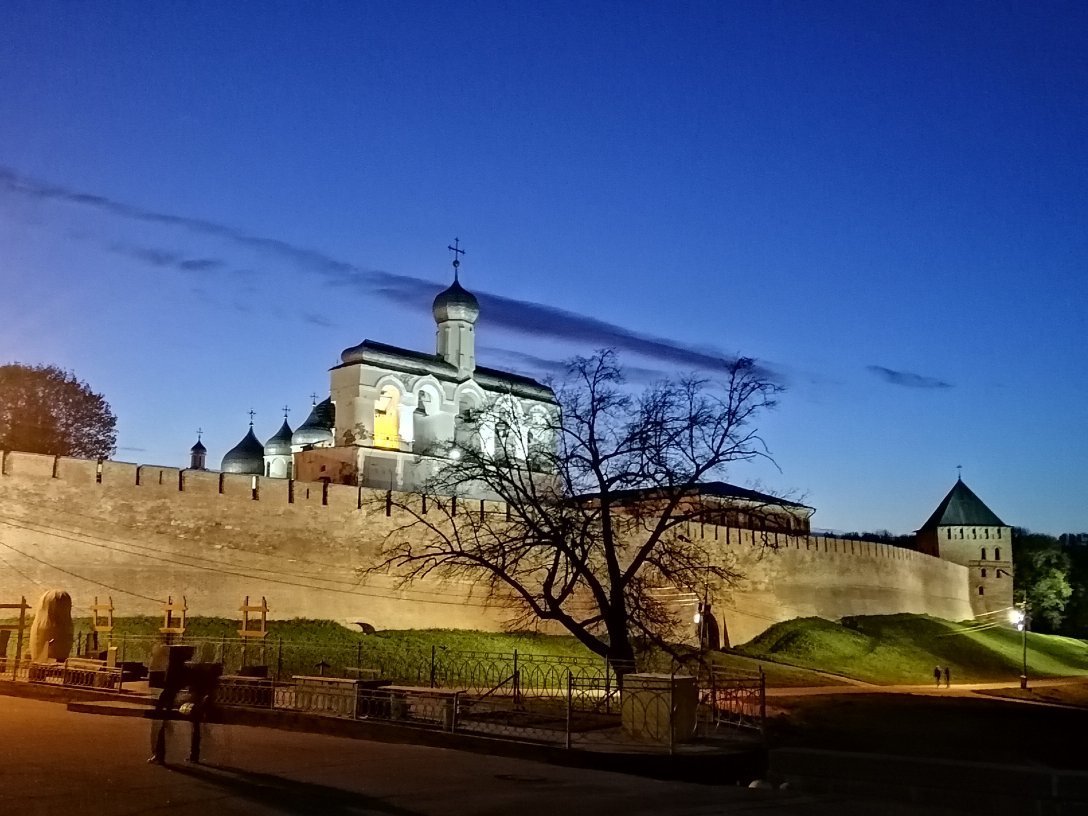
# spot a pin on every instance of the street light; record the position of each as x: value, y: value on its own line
x: 1018, y: 617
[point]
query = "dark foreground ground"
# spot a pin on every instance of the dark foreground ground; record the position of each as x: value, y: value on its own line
x: 973, y: 728
x: 53, y: 761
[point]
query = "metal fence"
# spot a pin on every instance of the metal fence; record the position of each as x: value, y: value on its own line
x: 514, y: 673
x: 565, y: 701
x: 659, y: 713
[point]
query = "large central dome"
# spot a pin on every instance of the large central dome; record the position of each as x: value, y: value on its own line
x: 456, y: 303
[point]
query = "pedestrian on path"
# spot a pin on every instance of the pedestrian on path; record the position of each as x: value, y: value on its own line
x: 947, y: 678
x: 937, y: 675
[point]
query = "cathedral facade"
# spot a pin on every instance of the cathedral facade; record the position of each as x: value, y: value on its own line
x: 394, y: 415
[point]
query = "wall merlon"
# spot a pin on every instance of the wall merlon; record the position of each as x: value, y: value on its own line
x: 29, y: 465
x: 77, y: 471
x: 119, y: 474
x: 158, y: 477
x: 200, y: 482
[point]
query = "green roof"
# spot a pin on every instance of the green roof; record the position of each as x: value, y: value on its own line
x: 960, y: 508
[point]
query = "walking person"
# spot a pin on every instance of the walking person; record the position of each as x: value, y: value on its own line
x: 174, y: 679
x: 937, y: 676
x: 203, y: 680
x: 947, y: 677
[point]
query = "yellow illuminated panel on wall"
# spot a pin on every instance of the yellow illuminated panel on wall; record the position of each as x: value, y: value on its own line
x: 387, y: 419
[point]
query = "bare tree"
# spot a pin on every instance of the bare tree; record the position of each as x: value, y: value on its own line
x: 590, y: 501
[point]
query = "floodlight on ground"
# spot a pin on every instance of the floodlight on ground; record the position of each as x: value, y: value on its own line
x: 697, y: 618
x: 1016, y: 617
x: 455, y: 453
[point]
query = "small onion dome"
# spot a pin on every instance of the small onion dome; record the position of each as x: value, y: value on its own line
x: 456, y: 303
x: 280, y: 444
x: 198, y: 448
x: 317, y: 429
x: 245, y: 457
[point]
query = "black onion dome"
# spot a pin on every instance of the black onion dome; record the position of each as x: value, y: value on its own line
x: 198, y: 448
x: 456, y: 303
x: 280, y: 444
x: 245, y: 457
x: 318, y: 426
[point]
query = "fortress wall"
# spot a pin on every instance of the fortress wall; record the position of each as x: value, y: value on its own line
x: 802, y: 576
x: 212, y: 543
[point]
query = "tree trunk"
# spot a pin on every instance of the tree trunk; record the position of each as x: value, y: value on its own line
x: 621, y: 654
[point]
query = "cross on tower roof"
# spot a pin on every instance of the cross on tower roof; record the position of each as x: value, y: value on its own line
x: 959, y: 473
x: 455, y: 248
x: 199, y: 433
x: 286, y: 411
x: 252, y: 414
x: 313, y: 397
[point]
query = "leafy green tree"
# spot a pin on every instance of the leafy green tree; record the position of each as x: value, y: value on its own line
x: 44, y: 409
x: 1041, y: 571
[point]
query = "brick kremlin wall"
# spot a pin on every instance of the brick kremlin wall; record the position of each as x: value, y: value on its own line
x: 139, y: 533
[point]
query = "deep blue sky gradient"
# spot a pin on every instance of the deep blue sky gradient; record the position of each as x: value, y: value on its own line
x: 885, y: 203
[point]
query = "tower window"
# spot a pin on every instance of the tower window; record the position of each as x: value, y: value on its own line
x: 949, y: 532
x: 986, y: 533
x: 983, y: 556
x: 973, y: 533
x: 999, y: 532
x: 983, y: 572
x: 982, y: 590
x: 997, y: 554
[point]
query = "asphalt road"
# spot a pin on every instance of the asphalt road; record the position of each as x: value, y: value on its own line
x: 57, y: 762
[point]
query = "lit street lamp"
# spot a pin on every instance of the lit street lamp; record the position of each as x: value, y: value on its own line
x: 1018, y: 617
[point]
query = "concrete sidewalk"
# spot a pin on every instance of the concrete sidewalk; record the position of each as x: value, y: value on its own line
x: 56, y: 761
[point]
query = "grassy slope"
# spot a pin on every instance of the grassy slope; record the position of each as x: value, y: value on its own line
x: 331, y: 635
x: 905, y: 648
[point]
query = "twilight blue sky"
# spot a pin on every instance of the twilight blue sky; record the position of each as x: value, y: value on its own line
x: 202, y: 204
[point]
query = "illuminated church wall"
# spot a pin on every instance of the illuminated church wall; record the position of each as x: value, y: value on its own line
x: 140, y: 533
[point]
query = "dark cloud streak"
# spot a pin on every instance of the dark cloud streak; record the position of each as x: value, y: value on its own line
x: 520, y: 316
x: 908, y: 379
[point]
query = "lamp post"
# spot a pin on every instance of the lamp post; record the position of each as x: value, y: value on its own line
x: 1019, y: 618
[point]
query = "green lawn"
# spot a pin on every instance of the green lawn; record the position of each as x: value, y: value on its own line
x: 904, y: 649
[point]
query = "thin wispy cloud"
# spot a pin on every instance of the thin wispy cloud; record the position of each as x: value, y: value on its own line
x: 907, y: 379
x: 519, y: 316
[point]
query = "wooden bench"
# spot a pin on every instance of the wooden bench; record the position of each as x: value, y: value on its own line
x: 424, y: 703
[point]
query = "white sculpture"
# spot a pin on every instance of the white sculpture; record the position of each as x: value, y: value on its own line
x: 51, y: 633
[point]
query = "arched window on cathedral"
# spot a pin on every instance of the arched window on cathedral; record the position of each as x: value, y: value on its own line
x: 387, y: 418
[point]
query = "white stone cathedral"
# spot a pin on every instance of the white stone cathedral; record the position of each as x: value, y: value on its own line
x: 394, y: 415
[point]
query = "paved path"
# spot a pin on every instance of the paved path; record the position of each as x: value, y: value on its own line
x: 53, y: 761
x: 956, y: 689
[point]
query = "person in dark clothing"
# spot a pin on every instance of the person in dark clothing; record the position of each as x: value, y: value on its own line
x: 947, y: 677
x: 203, y: 680
x: 174, y: 679
x: 937, y: 675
